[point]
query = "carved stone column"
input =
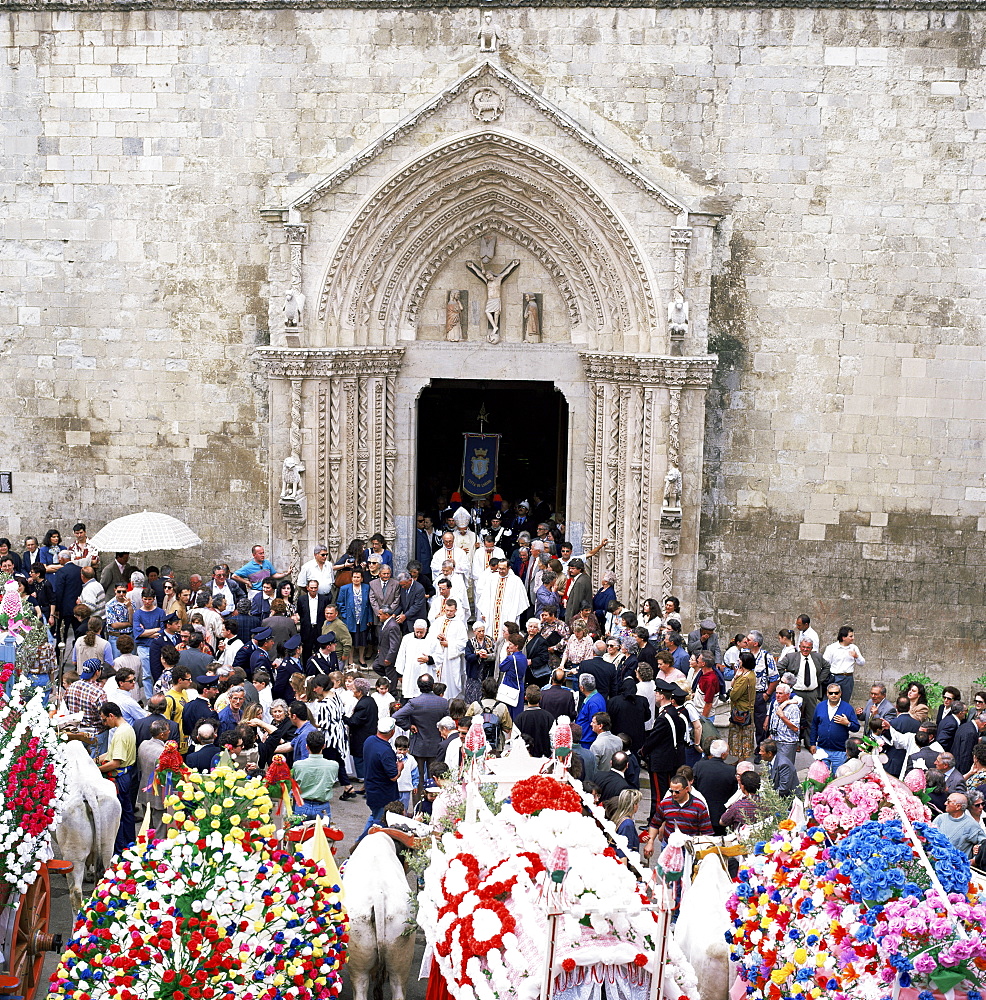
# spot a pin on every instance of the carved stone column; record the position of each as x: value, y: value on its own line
x: 629, y: 390
x: 352, y: 453
x: 297, y: 233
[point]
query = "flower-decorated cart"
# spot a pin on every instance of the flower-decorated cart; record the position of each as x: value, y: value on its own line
x: 536, y: 900
x: 30, y: 788
x: 867, y: 900
x: 217, y: 910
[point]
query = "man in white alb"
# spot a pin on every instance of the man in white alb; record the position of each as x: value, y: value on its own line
x: 462, y: 563
x: 503, y: 599
x: 482, y: 556
x: 451, y: 639
x: 436, y: 606
x: 415, y: 657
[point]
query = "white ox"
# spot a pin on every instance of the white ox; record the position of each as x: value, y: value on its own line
x: 87, y: 821
x: 381, y: 936
x: 701, y: 928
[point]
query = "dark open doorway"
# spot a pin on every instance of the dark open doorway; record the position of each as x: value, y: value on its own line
x: 532, y: 418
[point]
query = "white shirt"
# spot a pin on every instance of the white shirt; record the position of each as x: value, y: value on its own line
x: 313, y: 609
x: 225, y: 591
x: 840, y: 658
x: 809, y: 633
x: 312, y: 571
x: 229, y: 653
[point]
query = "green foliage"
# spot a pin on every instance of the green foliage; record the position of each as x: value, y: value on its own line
x: 772, y: 807
x: 932, y: 688
x: 979, y: 684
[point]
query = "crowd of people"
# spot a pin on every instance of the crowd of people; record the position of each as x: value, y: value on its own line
x: 495, y: 615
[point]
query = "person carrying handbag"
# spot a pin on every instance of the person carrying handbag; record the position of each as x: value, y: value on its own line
x: 742, y: 697
x: 512, y: 671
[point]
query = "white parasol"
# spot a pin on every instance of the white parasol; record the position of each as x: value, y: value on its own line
x: 145, y: 532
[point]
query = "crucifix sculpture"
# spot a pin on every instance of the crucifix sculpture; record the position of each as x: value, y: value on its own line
x: 493, y: 283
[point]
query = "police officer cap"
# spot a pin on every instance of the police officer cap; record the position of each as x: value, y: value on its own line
x: 261, y: 634
x: 207, y: 681
x: 662, y: 685
x: 293, y: 643
x: 170, y: 619
x: 325, y: 640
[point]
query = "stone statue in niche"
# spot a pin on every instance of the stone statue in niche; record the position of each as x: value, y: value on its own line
x: 532, y: 318
x: 493, y: 283
x: 291, y: 485
x: 294, y: 308
x: 677, y: 323
x: 672, y: 488
x: 488, y: 37
x: 454, y: 307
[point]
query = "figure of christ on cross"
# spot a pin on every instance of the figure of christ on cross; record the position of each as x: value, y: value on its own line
x: 493, y: 283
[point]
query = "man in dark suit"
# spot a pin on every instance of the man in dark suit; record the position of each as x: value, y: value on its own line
x: 558, y: 698
x: 156, y: 706
x: 67, y: 586
x: 311, y: 617
x: 388, y: 646
x: 947, y: 723
x: 421, y: 716
x: 716, y: 780
x: 412, y: 601
x: 384, y: 591
x: 811, y: 677
x: 954, y: 779
x: 423, y: 548
x: 602, y: 670
x: 610, y: 783
x: 535, y: 723
x: 966, y: 737
x: 783, y: 776
x: 705, y: 638
x: 578, y: 590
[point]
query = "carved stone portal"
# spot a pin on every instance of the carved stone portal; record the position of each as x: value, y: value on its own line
x: 487, y: 104
x: 493, y: 284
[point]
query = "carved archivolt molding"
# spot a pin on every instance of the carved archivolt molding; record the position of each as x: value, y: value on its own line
x: 329, y: 362
x: 493, y: 72
x: 652, y: 369
x: 486, y: 182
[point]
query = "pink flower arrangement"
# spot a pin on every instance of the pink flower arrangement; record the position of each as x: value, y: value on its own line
x: 840, y: 810
x: 916, y: 780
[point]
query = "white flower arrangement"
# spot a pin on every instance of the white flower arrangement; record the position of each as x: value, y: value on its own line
x: 31, y: 784
x: 484, y: 908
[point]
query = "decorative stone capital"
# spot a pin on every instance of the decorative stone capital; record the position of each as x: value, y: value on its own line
x: 329, y: 363
x: 296, y: 232
x: 681, y: 239
x: 650, y: 369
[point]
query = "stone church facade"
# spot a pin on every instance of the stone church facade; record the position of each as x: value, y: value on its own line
x: 242, y: 240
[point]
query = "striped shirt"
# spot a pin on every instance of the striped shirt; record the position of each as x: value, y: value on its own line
x: 690, y: 817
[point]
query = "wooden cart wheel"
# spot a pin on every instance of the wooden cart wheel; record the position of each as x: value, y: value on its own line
x: 24, y: 933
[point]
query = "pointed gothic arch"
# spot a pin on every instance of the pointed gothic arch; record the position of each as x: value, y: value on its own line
x: 480, y: 183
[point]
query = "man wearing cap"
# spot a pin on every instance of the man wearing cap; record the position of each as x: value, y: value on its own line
x: 417, y: 653
x: 704, y: 639
x: 319, y: 569
x: 412, y: 601
x: 85, y: 696
x: 325, y: 659
x: 263, y: 643
x: 664, y: 748
x: 287, y: 665
x: 311, y: 613
x: 381, y: 769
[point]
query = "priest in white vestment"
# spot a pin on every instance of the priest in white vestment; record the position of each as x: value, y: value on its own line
x: 503, y: 599
x: 482, y: 556
x: 451, y: 639
x: 416, y: 656
x: 458, y: 587
x: 461, y: 562
x: 436, y: 606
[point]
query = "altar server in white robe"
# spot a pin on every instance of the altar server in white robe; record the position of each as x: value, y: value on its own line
x: 416, y: 657
x: 503, y: 599
x: 450, y: 552
x: 436, y: 606
x: 482, y: 556
x: 450, y: 660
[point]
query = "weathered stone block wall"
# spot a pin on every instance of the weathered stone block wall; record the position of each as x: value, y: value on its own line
x: 844, y: 444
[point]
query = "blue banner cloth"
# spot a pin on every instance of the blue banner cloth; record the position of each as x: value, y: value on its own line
x: 479, y: 464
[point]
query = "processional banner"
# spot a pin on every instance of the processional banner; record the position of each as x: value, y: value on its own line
x: 479, y: 460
